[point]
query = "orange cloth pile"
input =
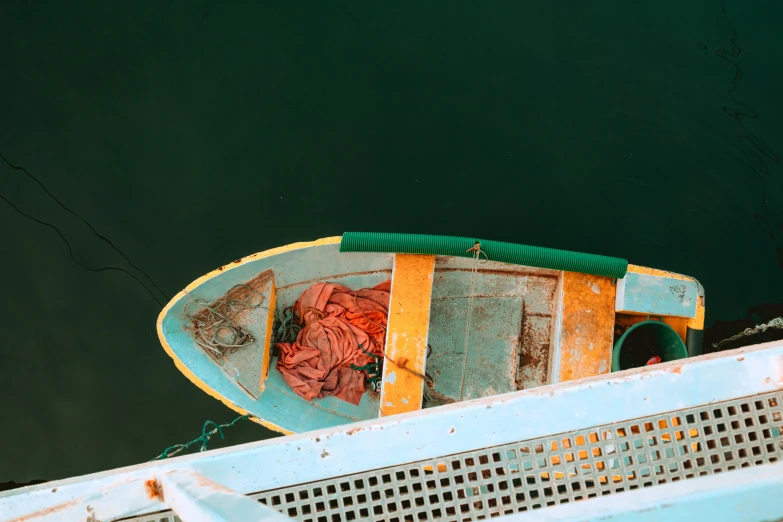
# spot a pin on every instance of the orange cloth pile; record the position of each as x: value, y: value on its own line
x: 337, y: 321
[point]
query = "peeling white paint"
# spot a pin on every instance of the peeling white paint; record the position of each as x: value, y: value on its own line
x: 391, y: 378
x: 389, y: 404
x: 594, y: 288
x: 404, y: 400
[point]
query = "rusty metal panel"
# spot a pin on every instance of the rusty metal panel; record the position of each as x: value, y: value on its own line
x: 509, y: 342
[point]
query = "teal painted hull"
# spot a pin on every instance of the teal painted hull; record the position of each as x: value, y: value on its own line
x: 520, y: 335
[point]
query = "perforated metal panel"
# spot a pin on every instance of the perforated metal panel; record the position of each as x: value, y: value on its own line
x: 165, y: 516
x: 542, y: 472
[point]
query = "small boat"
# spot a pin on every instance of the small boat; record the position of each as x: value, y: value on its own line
x: 466, y: 319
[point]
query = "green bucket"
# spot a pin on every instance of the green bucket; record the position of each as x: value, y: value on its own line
x: 645, y: 340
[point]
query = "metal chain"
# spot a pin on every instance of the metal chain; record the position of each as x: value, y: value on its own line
x: 774, y: 323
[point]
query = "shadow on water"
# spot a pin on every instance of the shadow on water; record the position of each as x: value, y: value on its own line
x: 4, y: 486
x: 755, y: 153
x: 749, y: 147
x: 92, y: 229
x: 11, y: 484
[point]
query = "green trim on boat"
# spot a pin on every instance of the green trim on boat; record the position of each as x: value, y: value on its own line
x: 495, y: 250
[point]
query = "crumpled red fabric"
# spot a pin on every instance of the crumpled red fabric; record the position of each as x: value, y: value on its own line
x: 337, y: 321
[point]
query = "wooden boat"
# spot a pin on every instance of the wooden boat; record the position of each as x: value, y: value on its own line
x: 475, y: 325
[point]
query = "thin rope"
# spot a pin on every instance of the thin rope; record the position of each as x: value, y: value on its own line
x: 774, y: 323
x: 71, y: 254
x: 203, y: 439
x: 89, y: 225
x: 476, y: 255
x: 402, y: 362
x: 212, y: 327
x: 290, y: 326
x: 363, y: 314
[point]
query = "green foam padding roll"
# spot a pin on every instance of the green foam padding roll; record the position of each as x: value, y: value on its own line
x: 496, y: 251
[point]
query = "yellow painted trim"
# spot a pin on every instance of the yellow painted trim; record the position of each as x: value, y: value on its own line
x: 678, y: 324
x: 270, y: 323
x: 697, y: 323
x: 406, y: 333
x: 624, y: 320
x: 586, y: 326
x: 239, y: 262
x: 660, y: 273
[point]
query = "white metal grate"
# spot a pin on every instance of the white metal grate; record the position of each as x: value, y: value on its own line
x: 545, y: 471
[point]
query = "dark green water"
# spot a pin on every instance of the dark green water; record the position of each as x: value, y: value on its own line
x: 192, y: 133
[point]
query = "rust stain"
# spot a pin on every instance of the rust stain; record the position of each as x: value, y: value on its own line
x: 201, y: 480
x: 534, y: 350
x: 44, y: 512
x: 153, y: 489
x: 587, y: 330
x: 676, y: 369
x: 740, y: 359
x: 352, y: 431
x: 533, y: 357
x: 238, y: 260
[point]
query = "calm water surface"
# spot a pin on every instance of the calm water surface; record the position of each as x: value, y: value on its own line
x: 193, y: 133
